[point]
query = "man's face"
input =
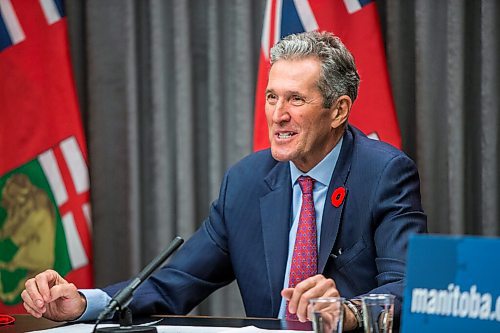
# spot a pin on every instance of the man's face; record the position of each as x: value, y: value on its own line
x: 300, y: 128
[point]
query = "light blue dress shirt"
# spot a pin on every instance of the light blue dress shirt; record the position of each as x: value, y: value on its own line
x: 322, y: 173
x: 97, y: 300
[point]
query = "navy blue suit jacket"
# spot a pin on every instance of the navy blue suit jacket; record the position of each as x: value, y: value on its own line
x: 245, y: 236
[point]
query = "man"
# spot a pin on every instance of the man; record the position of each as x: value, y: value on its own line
x: 324, y: 192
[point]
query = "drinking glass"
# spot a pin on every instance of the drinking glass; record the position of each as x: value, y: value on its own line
x: 327, y: 314
x: 378, y: 313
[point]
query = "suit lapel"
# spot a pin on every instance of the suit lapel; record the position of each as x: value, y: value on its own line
x: 275, y: 215
x: 332, y: 215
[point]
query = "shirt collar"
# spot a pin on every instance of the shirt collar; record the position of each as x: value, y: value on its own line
x: 323, y: 171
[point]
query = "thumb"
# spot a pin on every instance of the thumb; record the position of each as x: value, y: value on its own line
x: 287, y: 293
x: 67, y: 291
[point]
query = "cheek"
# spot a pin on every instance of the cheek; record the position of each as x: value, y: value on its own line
x: 314, y: 128
x: 269, y: 113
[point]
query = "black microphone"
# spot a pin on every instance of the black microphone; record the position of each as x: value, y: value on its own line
x: 123, y: 297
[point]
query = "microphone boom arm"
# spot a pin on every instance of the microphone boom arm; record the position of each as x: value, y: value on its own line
x: 123, y: 297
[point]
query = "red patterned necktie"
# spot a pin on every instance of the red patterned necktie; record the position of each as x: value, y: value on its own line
x: 305, y: 252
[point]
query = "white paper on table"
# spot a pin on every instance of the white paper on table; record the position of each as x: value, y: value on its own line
x: 75, y: 328
x: 207, y: 329
x: 248, y: 329
x: 87, y: 328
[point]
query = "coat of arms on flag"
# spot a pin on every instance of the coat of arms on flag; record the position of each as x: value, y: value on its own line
x: 356, y: 23
x: 44, y: 182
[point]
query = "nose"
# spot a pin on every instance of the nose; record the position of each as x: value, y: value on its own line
x: 280, y: 112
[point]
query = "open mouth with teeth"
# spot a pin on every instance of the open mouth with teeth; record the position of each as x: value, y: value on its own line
x: 285, y: 135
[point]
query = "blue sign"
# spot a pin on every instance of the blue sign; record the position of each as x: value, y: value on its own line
x: 452, y: 285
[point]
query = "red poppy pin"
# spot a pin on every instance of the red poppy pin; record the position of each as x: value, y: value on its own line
x: 338, y: 196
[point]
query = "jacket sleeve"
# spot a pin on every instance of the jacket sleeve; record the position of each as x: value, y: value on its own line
x: 396, y: 214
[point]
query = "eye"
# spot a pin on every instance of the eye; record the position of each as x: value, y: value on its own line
x: 297, y: 100
x: 271, y: 98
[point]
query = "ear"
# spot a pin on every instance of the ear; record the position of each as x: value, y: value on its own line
x: 340, y: 111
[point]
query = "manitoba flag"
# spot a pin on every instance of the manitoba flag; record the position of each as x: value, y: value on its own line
x: 44, y: 185
x: 356, y: 23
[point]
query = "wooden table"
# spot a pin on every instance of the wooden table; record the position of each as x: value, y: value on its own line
x: 25, y: 323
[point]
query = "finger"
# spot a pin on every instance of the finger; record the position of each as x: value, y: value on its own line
x: 32, y: 311
x: 322, y: 288
x: 318, y: 286
x: 29, y: 302
x: 325, y: 288
x: 46, y: 280
x: 310, y: 310
x: 300, y: 289
x: 329, y: 321
x: 34, y: 294
x: 287, y: 293
x: 67, y: 290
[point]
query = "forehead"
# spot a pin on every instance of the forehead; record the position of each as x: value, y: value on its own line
x: 294, y: 75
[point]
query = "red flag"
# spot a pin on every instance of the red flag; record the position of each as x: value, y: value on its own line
x: 356, y: 22
x: 44, y: 185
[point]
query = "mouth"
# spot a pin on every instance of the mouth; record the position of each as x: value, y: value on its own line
x: 285, y: 135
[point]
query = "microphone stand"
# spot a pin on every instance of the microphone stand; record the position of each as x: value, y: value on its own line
x: 125, y: 320
x: 122, y: 298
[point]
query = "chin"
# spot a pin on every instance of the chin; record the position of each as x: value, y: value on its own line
x: 280, y: 155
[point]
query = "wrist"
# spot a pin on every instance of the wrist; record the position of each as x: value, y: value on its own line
x: 81, y: 306
x: 352, y: 315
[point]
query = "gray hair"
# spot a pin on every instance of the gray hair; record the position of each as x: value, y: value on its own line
x: 338, y: 71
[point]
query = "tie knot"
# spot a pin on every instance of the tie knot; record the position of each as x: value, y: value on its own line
x: 306, y: 184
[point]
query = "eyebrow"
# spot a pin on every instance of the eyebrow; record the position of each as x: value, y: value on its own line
x: 287, y: 93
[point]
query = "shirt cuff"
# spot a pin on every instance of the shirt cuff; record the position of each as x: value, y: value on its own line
x: 96, y: 302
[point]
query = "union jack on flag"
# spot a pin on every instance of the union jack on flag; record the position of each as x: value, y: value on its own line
x: 44, y: 183
x: 356, y: 22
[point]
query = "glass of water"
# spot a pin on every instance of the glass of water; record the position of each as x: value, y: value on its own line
x: 378, y: 313
x: 327, y: 314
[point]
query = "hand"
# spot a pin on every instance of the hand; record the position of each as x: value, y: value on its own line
x: 313, y: 287
x: 52, y: 297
